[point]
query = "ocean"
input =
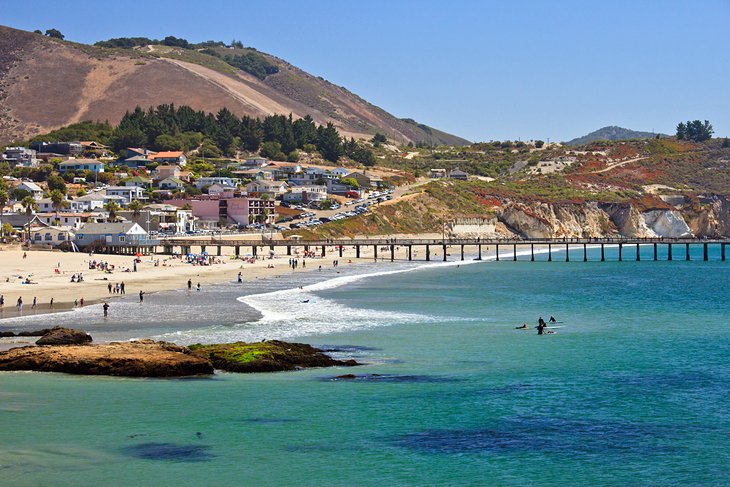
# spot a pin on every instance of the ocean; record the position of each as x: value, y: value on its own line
x: 632, y: 389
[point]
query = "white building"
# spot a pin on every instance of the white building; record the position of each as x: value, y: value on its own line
x: 129, y: 193
x: 211, y: 180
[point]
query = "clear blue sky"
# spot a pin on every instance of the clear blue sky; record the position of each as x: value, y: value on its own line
x: 480, y: 69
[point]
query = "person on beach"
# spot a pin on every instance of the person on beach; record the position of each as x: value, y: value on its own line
x: 240, y: 278
x: 141, y: 296
x: 190, y: 284
x: 2, y: 301
x: 198, y: 287
x: 20, y: 304
x: 51, y: 304
x: 81, y: 302
x: 106, y: 309
x: 109, y: 287
x: 76, y: 303
x: 121, y: 287
x: 35, y: 301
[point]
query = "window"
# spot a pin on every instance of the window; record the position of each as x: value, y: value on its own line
x: 49, y: 236
x: 61, y: 236
x: 37, y: 236
x: 121, y: 238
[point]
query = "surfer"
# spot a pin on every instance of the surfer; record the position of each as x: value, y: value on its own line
x: 540, y: 327
x: 540, y: 321
x: 552, y: 319
x: 522, y: 327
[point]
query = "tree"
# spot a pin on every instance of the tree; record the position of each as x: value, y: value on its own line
x: 272, y: 150
x: 55, y: 33
x: 726, y: 143
x: 136, y: 207
x: 112, y: 207
x: 379, y: 139
x: 695, y: 130
x: 329, y: 143
x: 350, y: 182
x: 38, y: 31
x: 539, y: 144
x: 4, y: 198
x: 56, y: 183
x: 58, y: 201
x: 30, y: 206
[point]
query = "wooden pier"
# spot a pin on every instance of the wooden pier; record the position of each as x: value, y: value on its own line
x: 510, y: 249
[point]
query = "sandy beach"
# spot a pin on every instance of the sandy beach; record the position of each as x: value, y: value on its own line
x: 50, y: 274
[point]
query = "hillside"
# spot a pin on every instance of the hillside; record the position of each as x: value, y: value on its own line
x: 612, y: 133
x: 47, y: 83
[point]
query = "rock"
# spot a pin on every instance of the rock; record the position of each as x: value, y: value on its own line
x: 269, y: 356
x: 4, y: 334
x: 37, y: 333
x: 132, y: 359
x: 64, y: 336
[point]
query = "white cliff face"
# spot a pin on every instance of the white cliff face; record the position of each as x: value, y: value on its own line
x: 474, y: 227
x: 544, y: 220
x: 666, y: 223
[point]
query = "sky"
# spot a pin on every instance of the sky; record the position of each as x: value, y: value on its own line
x: 484, y: 70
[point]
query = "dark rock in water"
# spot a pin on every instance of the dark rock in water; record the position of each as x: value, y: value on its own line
x: 64, y: 336
x: 170, y: 452
x: 269, y: 356
x: 36, y: 333
x: 347, y: 348
x: 4, y: 334
x: 144, y: 358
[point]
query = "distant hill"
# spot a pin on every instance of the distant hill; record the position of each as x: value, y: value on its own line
x: 612, y: 133
x: 47, y: 83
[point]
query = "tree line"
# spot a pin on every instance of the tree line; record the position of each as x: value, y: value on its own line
x: 169, y: 127
x: 696, y: 130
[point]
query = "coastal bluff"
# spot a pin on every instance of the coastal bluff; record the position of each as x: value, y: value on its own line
x: 70, y: 351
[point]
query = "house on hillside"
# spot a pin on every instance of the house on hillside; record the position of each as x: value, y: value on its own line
x: 220, y: 191
x: 166, y: 171
x: 305, y: 194
x: 172, y: 183
x: 135, y: 162
x: 170, y: 157
x: 111, y: 234
x: 20, y: 156
x: 340, y: 172
x: 255, y: 162
x: 35, y: 190
x: 211, y: 180
x: 437, y: 173
x: 81, y: 165
x: 63, y: 148
x: 272, y: 188
x: 458, y: 174
x: 137, y: 181
x: 128, y: 193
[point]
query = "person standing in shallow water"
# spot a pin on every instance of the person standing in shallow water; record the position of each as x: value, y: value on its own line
x: 141, y: 296
x: 190, y: 284
x: 106, y: 309
x: 20, y: 304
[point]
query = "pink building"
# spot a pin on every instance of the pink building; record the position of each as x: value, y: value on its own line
x: 212, y: 211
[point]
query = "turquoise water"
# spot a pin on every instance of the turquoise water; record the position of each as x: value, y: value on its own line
x: 634, y: 389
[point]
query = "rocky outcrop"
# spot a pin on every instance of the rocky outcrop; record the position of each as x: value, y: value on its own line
x: 64, y: 336
x: 546, y: 220
x: 267, y: 356
x: 144, y: 358
x: 666, y: 223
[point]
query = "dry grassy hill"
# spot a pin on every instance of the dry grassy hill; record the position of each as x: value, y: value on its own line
x: 47, y: 83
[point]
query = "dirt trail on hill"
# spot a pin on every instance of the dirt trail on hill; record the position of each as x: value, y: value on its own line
x: 614, y: 166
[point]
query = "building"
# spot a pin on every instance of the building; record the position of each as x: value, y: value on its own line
x: 69, y: 220
x: 172, y: 183
x: 458, y: 174
x: 220, y: 191
x: 209, y: 181
x: 162, y: 218
x: 255, y: 162
x: 219, y: 212
x: 274, y: 189
x: 111, y: 234
x: 138, y: 181
x: 305, y: 194
x: 170, y: 157
x: 437, y: 173
x: 135, y: 162
x: 340, y: 172
x: 88, y: 202
x: 63, y: 148
x: 42, y: 233
x: 31, y: 187
x: 128, y: 193
x: 81, y: 165
x: 166, y: 171
x: 20, y: 156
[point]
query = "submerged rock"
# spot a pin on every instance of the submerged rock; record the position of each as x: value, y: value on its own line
x: 133, y: 359
x: 269, y: 356
x: 64, y: 336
